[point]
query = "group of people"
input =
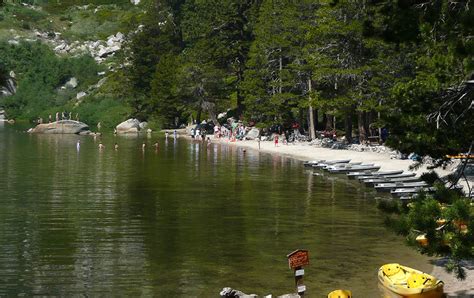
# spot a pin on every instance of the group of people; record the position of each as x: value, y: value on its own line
x: 63, y: 116
x: 175, y: 134
x: 236, y: 131
x: 101, y: 146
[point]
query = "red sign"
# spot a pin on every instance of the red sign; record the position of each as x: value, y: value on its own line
x: 298, y: 258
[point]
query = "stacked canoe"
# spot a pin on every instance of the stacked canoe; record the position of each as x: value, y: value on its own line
x: 397, y: 182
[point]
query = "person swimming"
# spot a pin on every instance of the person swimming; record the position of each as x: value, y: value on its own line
x: 101, y: 146
x: 143, y: 146
x: 157, y: 146
x: 116, y: 147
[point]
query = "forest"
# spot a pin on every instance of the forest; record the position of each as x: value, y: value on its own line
x: 352, y: 66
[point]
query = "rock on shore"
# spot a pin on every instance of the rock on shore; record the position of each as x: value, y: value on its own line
x: 62, y: 127
x: 128, y: 126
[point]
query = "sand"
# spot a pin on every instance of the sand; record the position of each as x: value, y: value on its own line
x: 303, y: 151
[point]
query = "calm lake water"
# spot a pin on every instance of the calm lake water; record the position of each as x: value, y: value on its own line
x: 183, y: 221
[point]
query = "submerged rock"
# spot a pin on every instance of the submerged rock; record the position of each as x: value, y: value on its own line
x: 61, y: 127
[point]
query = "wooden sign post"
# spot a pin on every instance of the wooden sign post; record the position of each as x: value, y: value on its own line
x: 296, y: 261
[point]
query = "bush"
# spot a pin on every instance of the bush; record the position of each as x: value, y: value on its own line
x: 108, y: 111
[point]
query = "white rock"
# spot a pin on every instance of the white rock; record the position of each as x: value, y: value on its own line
x: 129, y: 126
x: 253, y: 134
x: 104, y: 52
x: 72, y: 83
x: 143, y: 125
x: 60, y: 47
x: 120, y: 36
x: 80, y: 95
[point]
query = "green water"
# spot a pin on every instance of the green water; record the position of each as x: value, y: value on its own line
x: 183, y: 221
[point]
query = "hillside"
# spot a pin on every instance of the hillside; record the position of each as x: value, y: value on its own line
x: 66, y: 57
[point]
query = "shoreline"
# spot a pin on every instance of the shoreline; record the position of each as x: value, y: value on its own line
x: 304, y: 151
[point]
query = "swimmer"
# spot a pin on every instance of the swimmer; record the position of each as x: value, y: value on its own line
x: 157, y: 146
x: 116, y: 147
x: 143, y: 146
x: 101, y: 146
x: 78, y: 145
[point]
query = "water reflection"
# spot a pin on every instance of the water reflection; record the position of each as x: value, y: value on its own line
x: 184, y: 221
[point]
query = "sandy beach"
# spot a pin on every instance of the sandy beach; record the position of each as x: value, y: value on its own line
x: 303, y: 151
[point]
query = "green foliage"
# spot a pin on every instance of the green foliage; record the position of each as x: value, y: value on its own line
x: 108, y: 111
x: 445, y: 218
x: 39, y: 75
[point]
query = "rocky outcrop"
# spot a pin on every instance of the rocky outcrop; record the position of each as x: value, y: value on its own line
x: 9, y: 86
x: 62, y: 127
x: 128, y: 126
x: 232, y: 293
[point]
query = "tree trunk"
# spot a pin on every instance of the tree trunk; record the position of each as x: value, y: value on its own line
x: 280, y: 88
x: 210, y: 107
x: 329, y: 122
x: 312, y: 130
x: 361, y: 126
x: 198, y: 115
x: 301, y: 118
x: 316, y: 120
x: 348, y: 126
x: 380, y: 128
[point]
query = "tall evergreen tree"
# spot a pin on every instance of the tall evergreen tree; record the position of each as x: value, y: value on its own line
x: 276, y: 79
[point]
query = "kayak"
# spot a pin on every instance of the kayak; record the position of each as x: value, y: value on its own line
x: 409, y: 282
x: 340, y: 294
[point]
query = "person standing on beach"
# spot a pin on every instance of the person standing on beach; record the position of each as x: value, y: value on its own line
x: 276, y: 140
x: 57, y: 116
x: 78, y: 145
x: 198, y: 133
x: 258, y: 142
x: 143, y: 146
x: 167, y: 135
x: 50, y: 118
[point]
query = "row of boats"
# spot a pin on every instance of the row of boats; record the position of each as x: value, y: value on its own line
x: 401, y: 280
x: 397, y: 182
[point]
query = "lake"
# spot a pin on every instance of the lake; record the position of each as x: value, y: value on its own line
x: 183, y: 221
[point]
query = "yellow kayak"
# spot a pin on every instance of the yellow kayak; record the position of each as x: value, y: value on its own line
x: 340, y: 294
x: 409, y: 282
